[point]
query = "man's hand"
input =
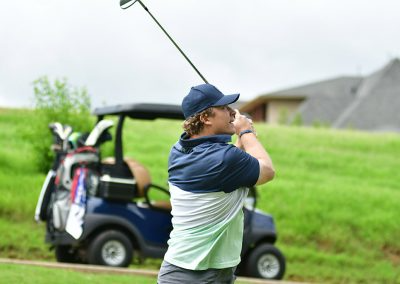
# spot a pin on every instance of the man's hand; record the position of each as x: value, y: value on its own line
x: 242, y: 123
x: 252, y: 146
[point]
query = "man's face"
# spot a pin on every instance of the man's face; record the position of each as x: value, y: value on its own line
x: 221, y: 121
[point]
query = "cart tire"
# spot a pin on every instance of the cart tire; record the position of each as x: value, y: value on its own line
x: 266, y: 261
x: 66, y: 254
x: 110, y: 248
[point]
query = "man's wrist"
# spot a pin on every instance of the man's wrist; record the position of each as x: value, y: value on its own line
x: 245, y: 132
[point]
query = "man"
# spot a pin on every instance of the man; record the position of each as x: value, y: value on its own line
x: 208, y: 180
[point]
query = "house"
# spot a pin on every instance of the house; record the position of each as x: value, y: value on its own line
x: 368, y: 103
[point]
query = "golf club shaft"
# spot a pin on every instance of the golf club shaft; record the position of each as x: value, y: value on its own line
x: 170, y: 38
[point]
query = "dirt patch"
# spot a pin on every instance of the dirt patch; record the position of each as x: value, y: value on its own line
x: 392, y: 253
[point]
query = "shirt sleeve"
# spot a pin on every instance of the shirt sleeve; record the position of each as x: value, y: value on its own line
x: 240, y: 170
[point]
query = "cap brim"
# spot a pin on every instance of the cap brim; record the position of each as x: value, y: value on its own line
x: 227, y: 100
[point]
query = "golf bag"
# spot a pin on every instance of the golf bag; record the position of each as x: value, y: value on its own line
x: 76, y: 178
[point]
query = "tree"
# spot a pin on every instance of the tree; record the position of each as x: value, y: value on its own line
x: 56, y: 102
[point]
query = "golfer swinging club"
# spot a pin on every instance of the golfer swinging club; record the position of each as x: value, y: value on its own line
x: 208, y: 181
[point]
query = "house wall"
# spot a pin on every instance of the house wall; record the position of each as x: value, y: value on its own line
x: 280, y: 111
x: 258, y: 113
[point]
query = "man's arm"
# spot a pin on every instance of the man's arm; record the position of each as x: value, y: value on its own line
x: 250, y: 144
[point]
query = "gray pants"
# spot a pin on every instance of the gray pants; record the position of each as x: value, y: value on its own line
x: 171, y: 274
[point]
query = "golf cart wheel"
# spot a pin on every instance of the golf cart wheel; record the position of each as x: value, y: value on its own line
x: 66, y: 254
x: 110, y: 248
x: 266, y: 261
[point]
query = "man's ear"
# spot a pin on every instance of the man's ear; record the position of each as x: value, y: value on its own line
x: 205, y: 119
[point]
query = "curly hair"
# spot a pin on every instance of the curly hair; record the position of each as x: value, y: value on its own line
x: 193, y: 125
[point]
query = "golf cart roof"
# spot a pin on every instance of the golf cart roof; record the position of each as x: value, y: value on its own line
x: 142, y: 111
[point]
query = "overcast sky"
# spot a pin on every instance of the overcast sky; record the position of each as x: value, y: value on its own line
x: 251, y: 47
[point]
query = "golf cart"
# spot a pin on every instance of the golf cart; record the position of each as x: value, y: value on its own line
x: 100, y: 210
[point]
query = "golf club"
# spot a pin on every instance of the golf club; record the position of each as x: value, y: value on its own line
x: 61, y: 132
x: 125, y: 4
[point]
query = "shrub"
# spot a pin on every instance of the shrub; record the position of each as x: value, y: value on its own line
x: 297, y: 120
x: 56, y: 102
x: 320, y: 124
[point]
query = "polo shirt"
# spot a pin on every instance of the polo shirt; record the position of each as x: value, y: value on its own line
x: 208, y: 182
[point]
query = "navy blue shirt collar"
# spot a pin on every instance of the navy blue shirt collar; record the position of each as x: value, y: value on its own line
x: 185, y: 142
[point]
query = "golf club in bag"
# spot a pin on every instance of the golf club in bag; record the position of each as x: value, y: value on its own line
x: 125, y: 4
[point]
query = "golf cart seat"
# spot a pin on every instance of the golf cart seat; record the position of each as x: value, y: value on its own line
x: 140, y: 173
x: 161, y: 204
x: 141, y: 177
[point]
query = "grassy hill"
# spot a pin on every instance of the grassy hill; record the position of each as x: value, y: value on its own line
x: 335, y: 197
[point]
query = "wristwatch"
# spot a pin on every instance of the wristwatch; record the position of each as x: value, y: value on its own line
x: 245, y: 132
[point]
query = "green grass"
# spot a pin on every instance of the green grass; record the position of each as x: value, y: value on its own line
x: 25, y: 274
x: 334, y: 199
x: 11, y: 273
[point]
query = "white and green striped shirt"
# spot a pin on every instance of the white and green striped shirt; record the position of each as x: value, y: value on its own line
x: 207, y: 229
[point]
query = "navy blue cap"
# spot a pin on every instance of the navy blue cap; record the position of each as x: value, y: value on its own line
x: 204, y: 96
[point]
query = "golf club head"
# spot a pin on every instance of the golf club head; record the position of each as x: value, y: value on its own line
x: 66, y: 133
x: 125, y: 4
x: 57, y: 129
x: 67, y: 130
x: 100, y: 128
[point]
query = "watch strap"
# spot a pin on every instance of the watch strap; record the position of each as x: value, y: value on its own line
x: 245, y: 132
